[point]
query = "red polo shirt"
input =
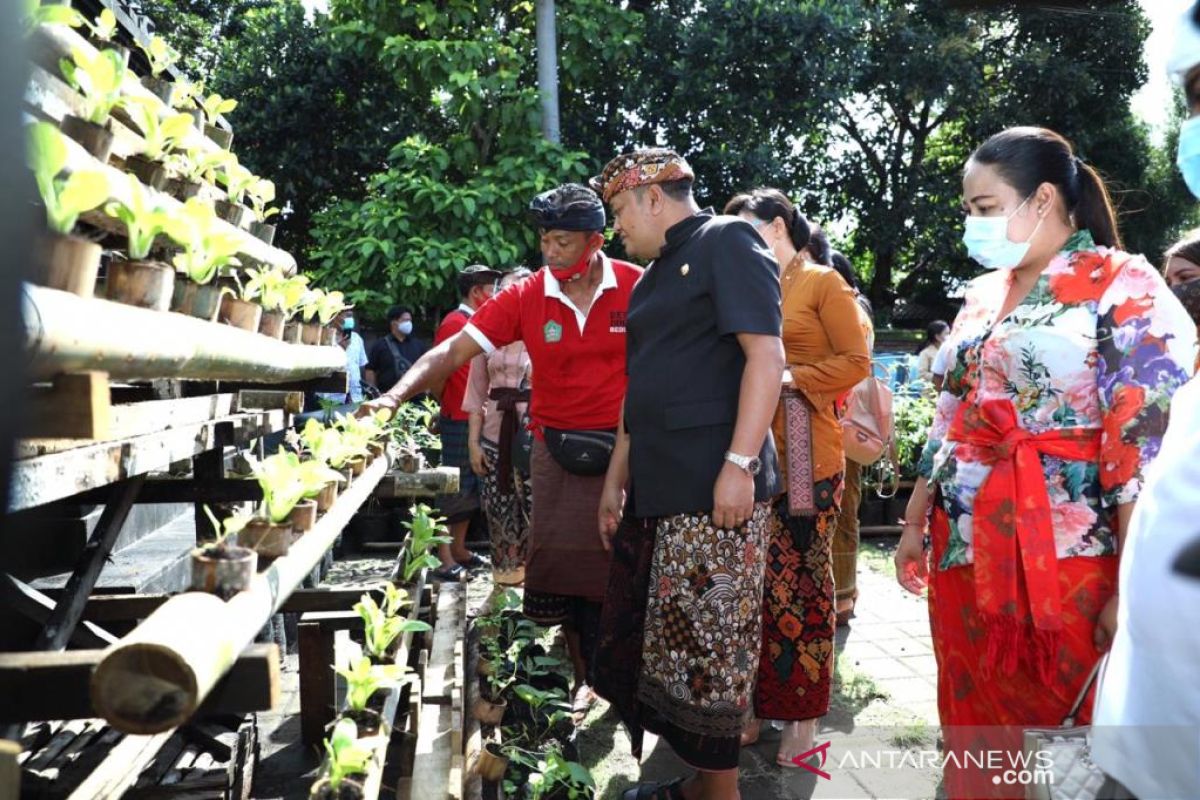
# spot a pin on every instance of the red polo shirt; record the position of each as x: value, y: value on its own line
x: 578, y: 361
x: 456, y: 385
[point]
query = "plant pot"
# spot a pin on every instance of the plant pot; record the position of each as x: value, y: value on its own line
x: 96, y: 139
x: 236, y: 215
x: 160, y: 88
x: 310, y: 333
x: 329, y: 336
x: 488, y: 712
x: 377, y: 449
x: 271, y: 324
x: 264, y: 231
x: 348, y: 790
x: 368, y: 722
x: 269, y: 541
x: 408, y: 462
x: 182, y: 189
x: 492, y: 762
x: 303, y: 516
x: 508, y: 577
x: 348, y: 474
x: 220, y: 136
x: 326, y: 498
x: 484, y: 667
x: 146, y: 284
x: 68, y: 263
x: 240, y: 313
x: 291, y: 332
x: 152, y: 173
x: 202, y: 301
x: 223, y: 570
x: 358, y: 466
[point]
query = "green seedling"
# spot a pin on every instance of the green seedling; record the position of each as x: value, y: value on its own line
x: 207, y: 246
x: 160, y: 55
x: 98, y: 78
x: 34, y: 13
x: 261, y: 194
x: 380, y: 630
x: 144, y: 217
x: 161, y: 136
x: 363, y: 679
x: 345, y: 756
x: 64, y: 198
x: 214, y: 106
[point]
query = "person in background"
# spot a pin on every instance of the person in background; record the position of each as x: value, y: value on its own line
x: 845, y: 538
x: 356, y: 359
x: 818, y: 250
x: 497, y: 399
x: 1146, y: 732
x: 476, y: 285
x: 935, y: 336
x: 937, y: 370
x: 1181, y: 262
x: 1064, y: 356
x: 391, y: 355
x: 825, y: 342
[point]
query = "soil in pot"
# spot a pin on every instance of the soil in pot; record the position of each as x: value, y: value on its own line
x: 310, y: 333
x: 223, y: 570
x: 369, y: 722
x: 271, y: 324
x: 222, y: 137
x: 69, y: 263
x: 162, y: 89
x: 240, y: 313
x: 96, y: 139
x: 269, y: 541
x: 236, y: 215
x: 146, y: 284
x: 291, y: 332
x: 303, y: 516
x: 152, y: 173
x: 183, y: 190
x: 264, y: 231
x: 348, y: 790
x: 492, y: 762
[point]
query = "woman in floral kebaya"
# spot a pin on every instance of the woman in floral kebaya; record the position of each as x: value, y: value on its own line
x: 1063, y: 362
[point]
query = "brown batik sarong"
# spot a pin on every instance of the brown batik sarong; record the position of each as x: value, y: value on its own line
x: 681, y: 629
x: 508, y: 514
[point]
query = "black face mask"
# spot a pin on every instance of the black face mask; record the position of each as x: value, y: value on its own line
x: 1189, y: 294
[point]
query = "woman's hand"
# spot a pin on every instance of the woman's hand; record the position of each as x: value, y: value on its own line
x: 1106, y: 625
x: 612, y: 506
x: 479, y: 460
x: 912, y: 568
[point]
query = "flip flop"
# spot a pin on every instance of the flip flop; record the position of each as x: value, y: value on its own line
x: 655, y: 791
x: 451, y: 574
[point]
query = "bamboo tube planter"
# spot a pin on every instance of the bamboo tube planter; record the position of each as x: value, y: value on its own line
x: 154, y: 678
x: 68, y: 333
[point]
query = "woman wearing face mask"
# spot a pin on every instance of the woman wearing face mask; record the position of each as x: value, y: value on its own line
x: 1181, y: 269
x: 826, y: 349
x: 1062, y: 364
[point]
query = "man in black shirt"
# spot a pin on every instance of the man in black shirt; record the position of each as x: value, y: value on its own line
x: 682, y: 619
x: 391, y: 356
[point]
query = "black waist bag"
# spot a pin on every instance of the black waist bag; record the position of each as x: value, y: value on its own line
x: 581, y: 452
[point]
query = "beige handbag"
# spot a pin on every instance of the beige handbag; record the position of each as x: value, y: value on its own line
x: 1068, y: 749
x: 867, y: 421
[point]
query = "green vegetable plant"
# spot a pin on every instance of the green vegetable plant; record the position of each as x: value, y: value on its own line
x: 283, y: 481
x: 196, y: 164
x: 549, y: 707
x: 275, y: 290
x: 105, y: 26
x: 160, y: 55
x: 261, y: 194
x: 363, y: 679
x: 230, y: 526
x: 207, y: 246
x: 64, y: 198
x: 34, y: 13
x: 236, y: 179
x: 395, y: 599
x: 324, y: 444
x: 380, y: 630
x: 214, y: 106
x: 410, y: 427
x: 345, y: 757
x: 98, y: 78
x: 426, y: 533
x: 329, y: 305
x: 144, y: 218
x: 160, y: 135
x: 553, y: 774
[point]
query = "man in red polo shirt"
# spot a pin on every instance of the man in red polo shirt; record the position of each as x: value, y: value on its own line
x: 476, y: 284
x: 571, y: 317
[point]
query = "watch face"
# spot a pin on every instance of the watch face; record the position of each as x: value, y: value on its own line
x: 754, y: 466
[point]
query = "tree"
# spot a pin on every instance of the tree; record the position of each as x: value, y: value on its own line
x: 197, y: 28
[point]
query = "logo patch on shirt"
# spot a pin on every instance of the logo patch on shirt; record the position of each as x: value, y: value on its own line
x: 616, y: 322
x: 552, y: 332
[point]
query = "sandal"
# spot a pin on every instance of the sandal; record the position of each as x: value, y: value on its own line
x: 655, y: 791
x: 476, y: 561
x: 451, y: 574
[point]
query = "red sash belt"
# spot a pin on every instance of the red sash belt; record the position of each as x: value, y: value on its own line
x: 1012, y: 528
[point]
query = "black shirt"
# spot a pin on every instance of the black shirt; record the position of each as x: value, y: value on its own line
x: 390, y: 358
x: 713, y: 280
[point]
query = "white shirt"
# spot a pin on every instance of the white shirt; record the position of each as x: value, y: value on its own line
x: 1146, y: 725
x: 940, y: 361
x: 356, y: 359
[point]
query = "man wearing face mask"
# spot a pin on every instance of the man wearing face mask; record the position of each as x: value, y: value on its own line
x: 392, y: 355
x: 571, y: 317
x: 1146, y: 726
x: 356, y: 359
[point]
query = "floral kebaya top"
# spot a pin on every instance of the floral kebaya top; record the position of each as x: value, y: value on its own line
x: 1100, y: 343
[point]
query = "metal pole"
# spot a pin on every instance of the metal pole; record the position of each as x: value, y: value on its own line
x: 547, y: 60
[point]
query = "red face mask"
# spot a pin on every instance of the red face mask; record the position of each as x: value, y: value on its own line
x: 565, y: 274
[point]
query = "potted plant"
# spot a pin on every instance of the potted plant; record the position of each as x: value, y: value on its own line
x: 102, y: 31
x: 555, y: 778
x: 344, y: 757
x: 426, y: 532
x: 363, y: 682
x: 329, y: 305
x: 213, y: 107
x: 261, y: 194
x: 161, y: 136
x: 98, y: 79
x: 270, y: 533
x: 137, y: 280
x: 310, y: 330
x: 317, y: 478
x: 193, y: 166
x: 326, y: 446
x: 161, y: 57
x: 206, y: 249
x: 34, y: 14
x: 279, y: 295
x: 222, y: 568
x: 67, y: 262
x: 236, y: 179
x: 490, y: 705
x: 381, y: 632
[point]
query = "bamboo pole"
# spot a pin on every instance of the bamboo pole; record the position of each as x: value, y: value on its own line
x: 67, y: 333
x: 154, y: 678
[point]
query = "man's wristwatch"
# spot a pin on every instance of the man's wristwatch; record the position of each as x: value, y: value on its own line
x: 751, y: 464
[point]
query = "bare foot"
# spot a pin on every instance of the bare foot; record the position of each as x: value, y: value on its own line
x: 751, y: 731
x: 797, y: 739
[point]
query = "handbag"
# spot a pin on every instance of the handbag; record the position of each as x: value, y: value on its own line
x: 582, y: 452
x: 1064, y: 752
x: 867, y: 422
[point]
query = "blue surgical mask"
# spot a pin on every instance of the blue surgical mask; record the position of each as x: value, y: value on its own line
x: 405, y: 328
x: 987, y: 241
x: 1188, y: 157
x: 348, y: 324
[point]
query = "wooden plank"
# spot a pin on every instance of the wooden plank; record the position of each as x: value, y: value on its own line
x: 456, y: 777
x: 38, y: 607
x: 138, y: 419
x: 426, y: 483
x: 259, y: 399
x: 442, y: 670
x: 10, y: 770
x: 76, y: 406
x: 41, y: 480
x: 106, y: 607
x: 43, y: 686
x: 120, y: 769
x: 434, y: 752
x: 318, y: 696
x: 66, y: 614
